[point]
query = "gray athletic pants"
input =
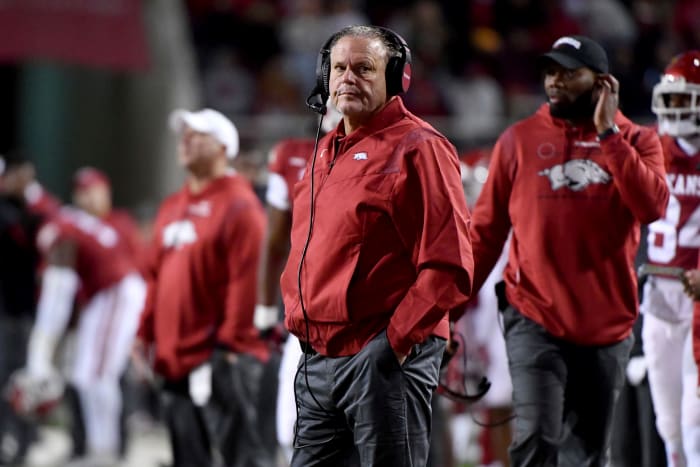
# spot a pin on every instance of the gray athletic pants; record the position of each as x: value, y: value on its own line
x: 366, y: 406
x: 564, y: 395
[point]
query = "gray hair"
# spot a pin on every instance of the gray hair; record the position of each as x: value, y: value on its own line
x: 369, y: 32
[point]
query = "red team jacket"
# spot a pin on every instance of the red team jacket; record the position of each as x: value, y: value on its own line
x: 101, y: 255
x: 387, y: 243
x: 576, y: 205
x: 202, y: 276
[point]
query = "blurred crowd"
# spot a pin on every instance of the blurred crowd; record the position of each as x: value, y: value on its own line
x: 473, y: 62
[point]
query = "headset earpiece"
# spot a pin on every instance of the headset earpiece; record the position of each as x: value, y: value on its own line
x: 398, y: 71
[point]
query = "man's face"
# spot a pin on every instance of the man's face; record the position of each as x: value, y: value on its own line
x: 571, y: 93
x: 95, y: 199
x: 357, y: 77
x: 198, y: 151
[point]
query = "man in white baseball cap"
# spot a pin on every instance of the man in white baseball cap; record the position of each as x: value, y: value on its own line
x: 197, y: 329
x: 208, y: 121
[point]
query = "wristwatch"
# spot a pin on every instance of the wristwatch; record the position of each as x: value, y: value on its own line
x: 614, y: 129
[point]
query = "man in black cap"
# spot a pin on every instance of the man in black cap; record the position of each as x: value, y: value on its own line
x: 573, y: 182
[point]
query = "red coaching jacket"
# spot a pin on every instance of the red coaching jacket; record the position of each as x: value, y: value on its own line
x: 202, y: 276
x: 390, y: 243
x: 575, y: 206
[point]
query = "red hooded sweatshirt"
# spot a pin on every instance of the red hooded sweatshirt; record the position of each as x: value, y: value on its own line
x: 575, y: 205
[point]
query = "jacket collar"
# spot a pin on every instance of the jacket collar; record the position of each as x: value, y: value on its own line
x: 393, y: 111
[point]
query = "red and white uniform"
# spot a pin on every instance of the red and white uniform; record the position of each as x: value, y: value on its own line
x: 40, y: 201
x: 111, y: 294
x: 674, y: 240
x: 286, y: 167
x: 372, y: 263
x: 202, y: 276
x: 129, y: 231
x: 575, y: 206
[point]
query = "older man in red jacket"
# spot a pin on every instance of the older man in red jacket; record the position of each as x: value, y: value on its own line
x: 380, y: 254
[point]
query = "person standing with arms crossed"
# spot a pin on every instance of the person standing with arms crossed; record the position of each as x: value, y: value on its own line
x: 198, y: 318
x: 380, y: 254
x: 574, y: 181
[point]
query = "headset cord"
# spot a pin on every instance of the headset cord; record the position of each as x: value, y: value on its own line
x: 312, y: 209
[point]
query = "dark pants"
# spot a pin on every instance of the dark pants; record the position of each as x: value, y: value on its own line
x: 635, y: 441
x: 225, y: 431
x: 366, y: 406
x: 16, y: 432
x: 267, y: 406
x: 564, y: 395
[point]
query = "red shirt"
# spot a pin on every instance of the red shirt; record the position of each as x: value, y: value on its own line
x: 125, y: 224
x: 390, y: 244
x: 674, y: 239
x: 202, y: 276
x: 288, y: 160
x: 575, y: 206
x: 101, y: 259
x: 40, y: 201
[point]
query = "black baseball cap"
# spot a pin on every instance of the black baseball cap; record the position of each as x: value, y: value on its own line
x: 575, y: 52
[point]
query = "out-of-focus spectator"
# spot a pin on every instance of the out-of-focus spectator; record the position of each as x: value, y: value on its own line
x: 23, y: 206
x: 228, y: 85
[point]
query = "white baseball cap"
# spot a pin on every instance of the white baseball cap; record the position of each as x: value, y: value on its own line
x: 211, y: 122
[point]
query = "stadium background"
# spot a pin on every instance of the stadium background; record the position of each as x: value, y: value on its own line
x: 92, y: 81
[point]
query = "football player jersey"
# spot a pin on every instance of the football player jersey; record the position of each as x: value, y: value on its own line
x: 288, y: 161
x: 674, y: 239
x: 101, y: 258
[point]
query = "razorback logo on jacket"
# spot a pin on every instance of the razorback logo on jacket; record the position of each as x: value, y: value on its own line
x: 575, y: 174
x: 179, y: 233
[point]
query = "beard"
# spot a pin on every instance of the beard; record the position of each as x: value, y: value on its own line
x: 581, y: 108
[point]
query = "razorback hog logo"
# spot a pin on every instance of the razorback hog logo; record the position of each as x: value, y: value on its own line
x: 576, y: 174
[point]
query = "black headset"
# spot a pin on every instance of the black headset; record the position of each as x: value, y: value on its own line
x: 398, y: 68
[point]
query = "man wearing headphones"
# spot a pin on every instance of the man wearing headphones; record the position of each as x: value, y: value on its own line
x: 380, y: 254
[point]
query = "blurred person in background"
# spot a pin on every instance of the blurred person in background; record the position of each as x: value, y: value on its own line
x: 196, y: 330
x: 571, y: 185
x: 672, y: 245
x: 87, y: 264
x: 92, y: 192
x: 24, y: 205
x: 286, y: 163
x: 480, y: 332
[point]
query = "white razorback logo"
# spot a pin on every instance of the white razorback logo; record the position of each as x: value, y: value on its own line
x: 179, y: 233
x: 576, y: 174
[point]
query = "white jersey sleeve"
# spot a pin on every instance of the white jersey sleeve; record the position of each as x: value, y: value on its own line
x: 277, y: 194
